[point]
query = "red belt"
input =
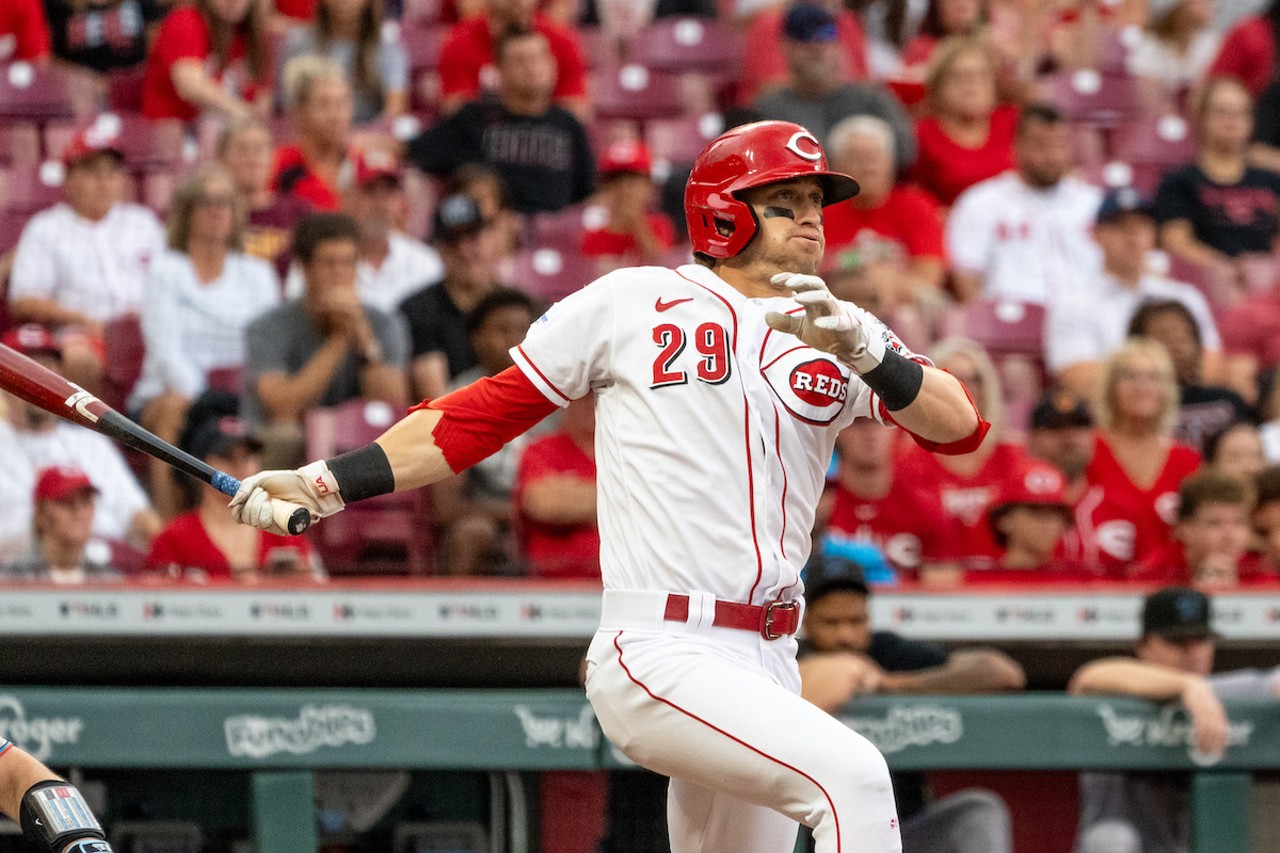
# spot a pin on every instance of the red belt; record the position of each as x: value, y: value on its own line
x: 772, y: 621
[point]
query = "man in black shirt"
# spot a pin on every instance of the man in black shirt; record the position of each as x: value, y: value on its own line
x: 841, y: 658
x: 541, y: 149
x: 470, y: 248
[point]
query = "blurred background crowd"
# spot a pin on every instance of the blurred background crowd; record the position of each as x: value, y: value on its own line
x: 263, y: 229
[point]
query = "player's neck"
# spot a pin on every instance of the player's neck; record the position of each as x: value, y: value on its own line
x: 748, y: 281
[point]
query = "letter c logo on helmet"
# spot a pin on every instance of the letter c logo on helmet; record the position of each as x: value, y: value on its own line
x: 814, y: 154
x: 720, y: 223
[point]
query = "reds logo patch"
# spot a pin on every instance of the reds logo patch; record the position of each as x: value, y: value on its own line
x: 812, y: 389
x: 811, y: 150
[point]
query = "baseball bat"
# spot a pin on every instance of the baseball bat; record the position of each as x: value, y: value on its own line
x: 40, y: 386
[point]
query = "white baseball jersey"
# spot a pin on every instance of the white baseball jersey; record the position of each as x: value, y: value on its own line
x: 713, y: 432
x: 1028, y: 244
x: 408, y: 267
x: 97, y: 269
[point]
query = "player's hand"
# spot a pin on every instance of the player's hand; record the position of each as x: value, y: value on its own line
x: 1209, y: 725
x: 829, y: 324
x: 312, y: 487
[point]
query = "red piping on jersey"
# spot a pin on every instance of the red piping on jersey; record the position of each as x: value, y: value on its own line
x: 543, y: 376
x: 781, y: 355
x: 655, y: 697
x: 746, y: 435
x: 777, y: 449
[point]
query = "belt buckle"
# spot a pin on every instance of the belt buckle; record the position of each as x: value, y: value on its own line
x: 766, y: 621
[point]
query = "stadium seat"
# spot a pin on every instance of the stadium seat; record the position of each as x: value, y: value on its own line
x: 563, y: 229
x: 31, y: 92
x: 1086, y: 96
x: 123, y: 351
x: 422, y: 43
x: 19, y: 143
x: 1116, y: 45
x: 597, y: 50
x: 681, y: 140
x: 550, y: 274
x: 124, y: 89
x: 633, y: 91
x: 1164, y: 141
x: 26, y: 190
x: 147, y: 144
x: 680, y: 44
x: 390, y: 534
x: 1013, y: 334
x: 11, y: 225
x: 420, y: 12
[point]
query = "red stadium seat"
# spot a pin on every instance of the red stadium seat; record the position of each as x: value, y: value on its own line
x: 563, y: 229
x: 550, y: 274
x: 147, y: 144
x: 1013, y: 333
x: 598, y: 50
x: 420, y: 11
x: 1116, y: 45
x: 1164, y: 141
x: 633, y: 91
x: 31, y: 92
x: 124, y: 89
x: 11, y: 225
x: 390, y: 534
x: 123, y: 351
x: 680, y: 44
x: 26, y: 190
x: 681, y: 140
x: 422, y: 46
x: 19, y: 143
x: 1085, y: 96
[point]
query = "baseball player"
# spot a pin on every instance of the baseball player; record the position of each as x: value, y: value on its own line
x: 52, y: 813
x: 720, y: 387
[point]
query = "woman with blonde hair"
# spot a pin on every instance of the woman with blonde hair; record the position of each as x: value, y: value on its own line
x: 1131, y: 498
x: 200, y: 296
x: 971, y: 483
x: 968, y: 135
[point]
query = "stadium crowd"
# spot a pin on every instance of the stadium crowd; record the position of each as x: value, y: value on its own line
x: 263, y: 230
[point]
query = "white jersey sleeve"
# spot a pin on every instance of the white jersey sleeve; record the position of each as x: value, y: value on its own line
x: 567, y: 350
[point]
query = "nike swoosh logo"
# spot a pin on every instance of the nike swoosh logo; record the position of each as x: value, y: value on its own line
x: 661, y: 306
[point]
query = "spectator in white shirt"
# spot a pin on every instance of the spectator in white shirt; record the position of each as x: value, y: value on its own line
x: 1087, y: 324
x: 83, y: 262
x: 1024, y: 234
x: 1176, y: 47
x: 40, y: 440
x: 201, y: 295
x: 392, y: 264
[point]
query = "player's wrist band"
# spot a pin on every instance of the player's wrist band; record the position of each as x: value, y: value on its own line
x: 54, y: 814
x: 363, y: 473
x: 896, y: 379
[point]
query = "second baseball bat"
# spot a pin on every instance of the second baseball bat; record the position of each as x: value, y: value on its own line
x: 41, y: 387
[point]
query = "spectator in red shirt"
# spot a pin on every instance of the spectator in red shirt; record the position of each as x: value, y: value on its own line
x: 313, y: 168
x: 1248, y: 51
x: 891, y: 230
x: 206, y: 544
x: 555, y: 497
x: 967, y: 136
x: 633, y: 233
x: 1126, y: 514
x: 891, y: 525
x: 942, y: 19
x: 971, y: 483
x: 764, y: 64
x: 1210, y: 544
x: 65, y: 500
x: 209, y: 56
x: 246, y: 150
x: 24, y: 32
x: 1029, y: 522
x: 1062, y: 434
x: 467, y: 56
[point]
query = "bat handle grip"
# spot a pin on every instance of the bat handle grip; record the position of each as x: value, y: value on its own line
x: 291, y: 517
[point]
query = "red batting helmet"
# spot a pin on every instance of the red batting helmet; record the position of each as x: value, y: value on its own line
x: 752, y: 155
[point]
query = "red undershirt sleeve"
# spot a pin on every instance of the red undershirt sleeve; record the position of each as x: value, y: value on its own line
x: 480, y: 418
x: 968, y: 444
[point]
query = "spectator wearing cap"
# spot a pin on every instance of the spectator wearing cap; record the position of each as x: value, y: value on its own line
x: 1030, y: 521
x: 842, y: 657
x: 472, y: 49
x: 484, y: 183
x: 84, y: 261
x: 352, y: 34
x: 1062, y: 434
x: 764, y: 57
x: 1219, y: 208
x: 1024, y: 235
x: 201, y: 295
x: 210, y: 56
x: 474, y: 509
x: 633, y: 232
x: 1203, y: 408
x: 1090, y: 320
x: 1173, y: 661
x: 246, y: 150
x: 392, y: 264
x: 205, y: 543
x: 816, y: 96
x: 437, y: 315
x: 1211, y: 537
x: 63, y: 549
x: 24, y: 33
x: 891, y: 232
x: 319, y: 164
x: 540, y: 148
x: 323, y: 349
x: 893, y: 526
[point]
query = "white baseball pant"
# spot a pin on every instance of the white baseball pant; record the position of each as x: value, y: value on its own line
x: 719, y: 711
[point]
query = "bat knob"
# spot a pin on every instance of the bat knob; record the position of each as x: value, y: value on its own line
x: 299, y: 521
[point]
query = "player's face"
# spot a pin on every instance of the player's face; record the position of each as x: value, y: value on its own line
x: 1188, y: 654
x: 839, y: 621
x: 1215, y: 530
x: 790, y: 236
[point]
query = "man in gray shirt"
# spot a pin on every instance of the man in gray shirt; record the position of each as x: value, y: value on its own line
x: 1148, y: 812
x: 323, y: 349
x: 816, y: 96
